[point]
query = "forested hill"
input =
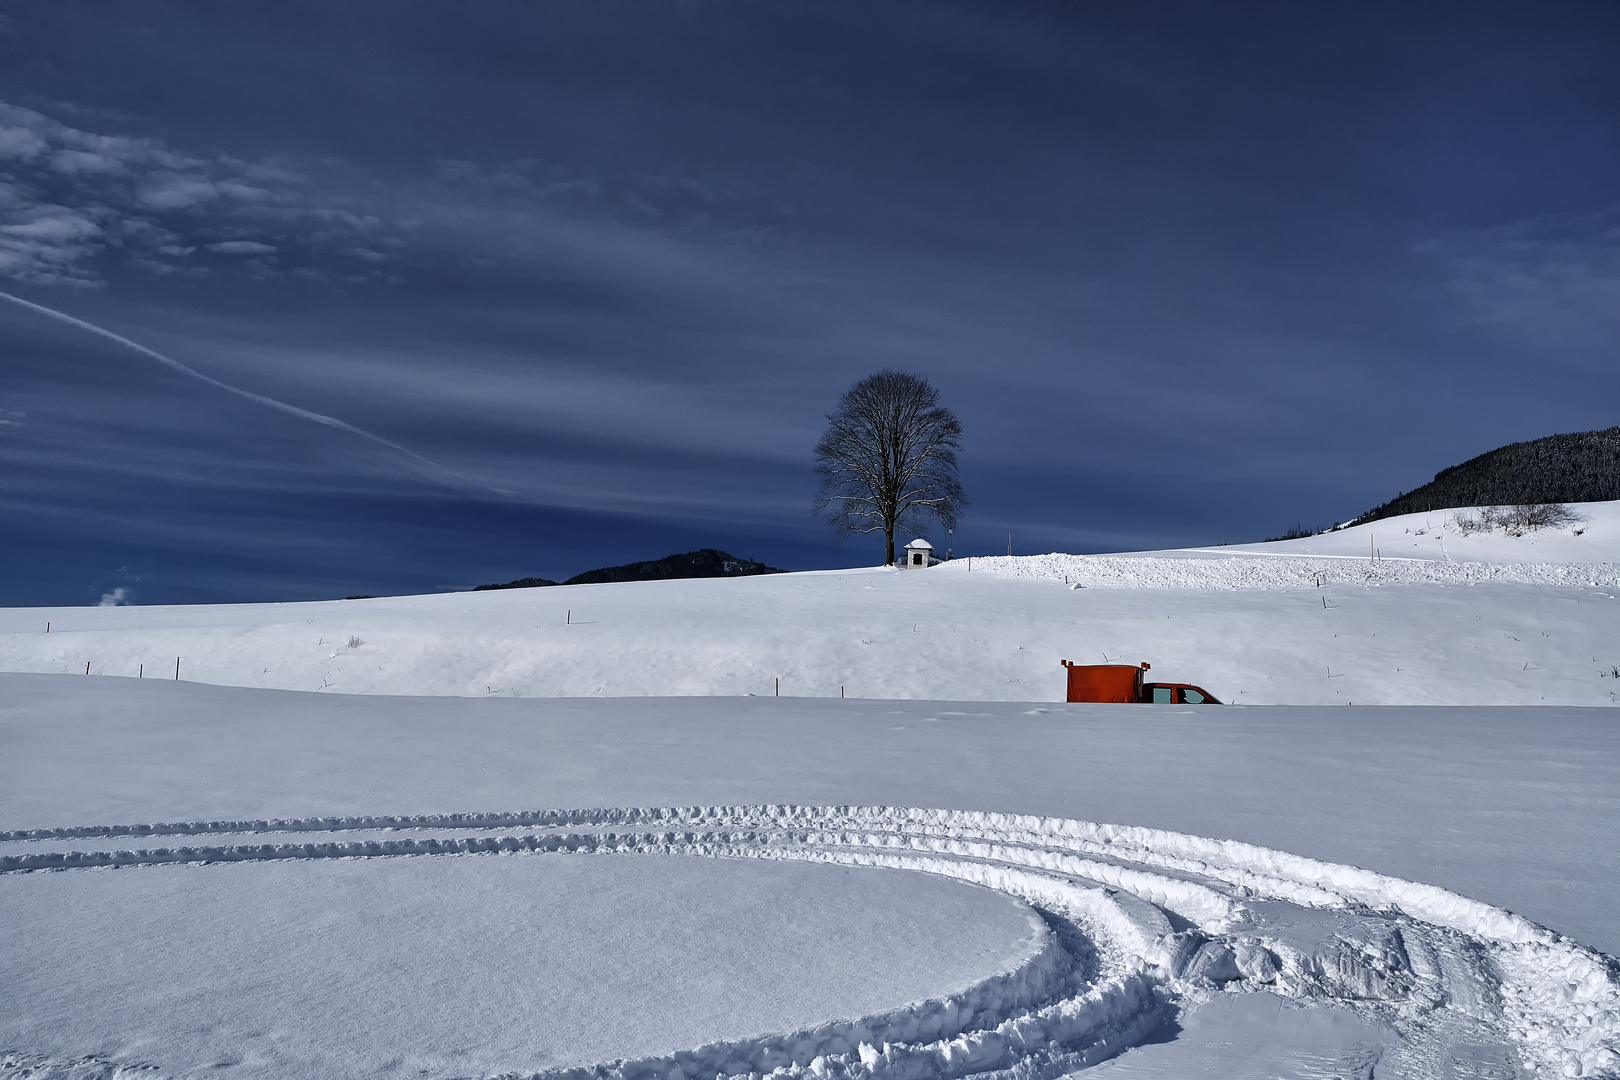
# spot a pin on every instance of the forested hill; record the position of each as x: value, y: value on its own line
x: 1583, y: 467
x: 694, y: 564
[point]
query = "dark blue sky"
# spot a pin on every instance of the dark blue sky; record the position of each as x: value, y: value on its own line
x: 1189, y: 273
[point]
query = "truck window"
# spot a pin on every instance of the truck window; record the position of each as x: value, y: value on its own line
x: 1189, y: 696
x: 1161, y: 695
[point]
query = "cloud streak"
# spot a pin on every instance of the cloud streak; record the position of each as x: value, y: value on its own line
x: 1548, y: 280
x: 427, y: 466
x: 73, y: 202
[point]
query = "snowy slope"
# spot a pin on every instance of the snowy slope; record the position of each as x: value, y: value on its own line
x: 1475, y: 620
x: 1435, y: 536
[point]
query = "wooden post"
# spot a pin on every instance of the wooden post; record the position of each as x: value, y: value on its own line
x: 87, y: 667
x: 177, y: 667
x: 142, y: 673
x: 840, y: 691
x: 778, y: 684
x: 47, y: 627
x: 570, y: 620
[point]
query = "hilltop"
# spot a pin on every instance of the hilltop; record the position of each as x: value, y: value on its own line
x: 704, y: 563
x: 1580, y: 467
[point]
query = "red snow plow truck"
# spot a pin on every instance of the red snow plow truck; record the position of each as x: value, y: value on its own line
x: 1123, y: 683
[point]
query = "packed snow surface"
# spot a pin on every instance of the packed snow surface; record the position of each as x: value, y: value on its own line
x: 238, y: 882
x: 1402, y: 611
x: 317, y: 966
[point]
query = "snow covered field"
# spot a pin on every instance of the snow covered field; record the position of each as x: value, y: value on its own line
x: 318, y: 940
x: 240, y: 882
x: 1487, y: 620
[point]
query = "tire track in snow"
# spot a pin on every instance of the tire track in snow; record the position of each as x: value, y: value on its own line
x: 1141, y: 922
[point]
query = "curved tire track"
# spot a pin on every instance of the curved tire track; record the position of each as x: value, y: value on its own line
x: 1141, y: 921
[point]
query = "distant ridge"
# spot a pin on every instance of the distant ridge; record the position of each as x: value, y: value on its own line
x: 520, y: 583
x: 704, y: 563
x: 1582, y: 467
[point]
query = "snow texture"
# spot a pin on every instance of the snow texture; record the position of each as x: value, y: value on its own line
x: 470, y: 965
x: 250, y: 883
x: 1434, y: 618
x: 1159, y: 923
x: 1138, y: 919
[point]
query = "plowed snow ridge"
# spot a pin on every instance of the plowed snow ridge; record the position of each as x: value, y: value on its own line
x: 1138, y: 920
x: 1282, y: 571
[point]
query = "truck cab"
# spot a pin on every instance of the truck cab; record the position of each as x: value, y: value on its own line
x: 1160, y: 693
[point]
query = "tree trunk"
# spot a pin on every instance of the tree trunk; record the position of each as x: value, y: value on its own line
x: 888, y: 546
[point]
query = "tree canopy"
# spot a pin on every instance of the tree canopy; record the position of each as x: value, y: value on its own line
x: 888, y: 458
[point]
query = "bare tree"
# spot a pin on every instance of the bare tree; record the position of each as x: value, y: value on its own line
x: 888, y: 458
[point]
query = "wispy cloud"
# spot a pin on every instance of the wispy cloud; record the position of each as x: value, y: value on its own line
x: 75, y: 204
x: 1550, y: 280
x: 242, y: 247
x: 73, y: 201
x: 20, y: 144
x: 172, y: 191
